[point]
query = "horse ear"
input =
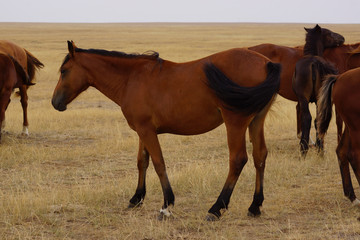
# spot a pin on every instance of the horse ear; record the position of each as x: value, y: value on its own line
x: 306, y: 29
x: 71, y: 48
x: 317, y: 27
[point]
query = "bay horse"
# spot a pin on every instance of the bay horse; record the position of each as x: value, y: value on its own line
x: 343, y: 57
x: 344, y: 92
x: 30, y: 64
x: 12, y: 75
x: 157, y: 96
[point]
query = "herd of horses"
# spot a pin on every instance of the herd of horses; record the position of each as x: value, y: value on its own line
x: 236, y: 87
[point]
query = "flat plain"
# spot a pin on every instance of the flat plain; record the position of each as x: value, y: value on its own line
x: 73, y: 176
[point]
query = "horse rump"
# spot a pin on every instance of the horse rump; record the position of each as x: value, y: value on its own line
x: 237, y: 98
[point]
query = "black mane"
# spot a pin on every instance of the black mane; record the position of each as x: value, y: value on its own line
x: 148, y: 55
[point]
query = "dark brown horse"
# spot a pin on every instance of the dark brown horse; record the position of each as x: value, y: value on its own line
x: 12, y: 75
x: 30, y: 64
x: 344, y: 92
x: 158, y: 96
x: 343, y: 57
x: 308, y: 76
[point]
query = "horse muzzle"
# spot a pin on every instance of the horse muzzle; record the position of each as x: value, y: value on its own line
x: 58, y: 103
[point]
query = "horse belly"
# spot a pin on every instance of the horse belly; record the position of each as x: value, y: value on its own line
x: 186, y: 122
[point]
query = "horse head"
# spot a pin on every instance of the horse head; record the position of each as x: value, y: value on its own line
x: 317, y: 39
x: 72, y: 81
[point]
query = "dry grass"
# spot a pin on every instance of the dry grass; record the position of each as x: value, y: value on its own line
x: 73, y: 176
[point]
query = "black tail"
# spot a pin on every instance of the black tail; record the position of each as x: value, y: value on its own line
x: 324, y: 113
x: 243, y: 99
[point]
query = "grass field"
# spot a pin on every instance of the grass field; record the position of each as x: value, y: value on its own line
x: 73, y: 176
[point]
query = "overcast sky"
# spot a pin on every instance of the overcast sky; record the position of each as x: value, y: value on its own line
x: 299, y: 11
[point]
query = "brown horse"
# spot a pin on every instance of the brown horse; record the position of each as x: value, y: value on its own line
x: 158, y: 96
x: 344, y: 92
x: 30, y: 64
x: 12, y: 75
x: 343, y: 57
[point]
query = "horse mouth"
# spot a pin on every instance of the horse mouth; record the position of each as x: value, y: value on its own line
x: 59, y: 106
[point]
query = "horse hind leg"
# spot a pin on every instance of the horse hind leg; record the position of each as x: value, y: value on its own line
x: 305, y: 126
x: 236, y: 129
x: 343, y: 153
x: 256, y: 130
x: 24, y: 105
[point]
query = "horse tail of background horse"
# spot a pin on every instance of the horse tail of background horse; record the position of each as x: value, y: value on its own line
x: 247, y: 100
x: 325, y: 105
x: 33, y: 64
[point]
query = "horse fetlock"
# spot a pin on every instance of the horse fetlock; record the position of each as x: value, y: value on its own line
x: 356, y: 203
x: 25, y: 131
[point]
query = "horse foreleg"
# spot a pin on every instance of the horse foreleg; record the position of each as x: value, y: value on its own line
x: 305, y: 126
x: 151, y: 142
x: 236, y: 131
x: 24, y: 104
x: 344, y: 157
x: 142, y: 164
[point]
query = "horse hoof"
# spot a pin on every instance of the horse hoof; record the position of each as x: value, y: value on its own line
x: 254, y: 215
x: 133, y: 205
x: 211, y: 217
x: 164, y: 214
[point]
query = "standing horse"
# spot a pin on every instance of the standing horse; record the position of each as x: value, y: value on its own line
x: 12, y: 75
x: 157, y: 96
x: 30, y: 64
x: 344, y: 57
x: 344, y: 92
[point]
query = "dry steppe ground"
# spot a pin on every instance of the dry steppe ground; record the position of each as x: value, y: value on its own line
x: 73, y: 176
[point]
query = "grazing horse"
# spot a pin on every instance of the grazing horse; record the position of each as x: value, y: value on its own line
x: 344, y: 57
x: 344, y: 92
x: 12, y: 75
x: 30, y: 64
x: 156, y: 96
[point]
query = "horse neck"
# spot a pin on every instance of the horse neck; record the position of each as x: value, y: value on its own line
x: 316, y: 49
x: 110, y: 75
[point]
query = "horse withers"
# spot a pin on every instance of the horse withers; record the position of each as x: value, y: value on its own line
x: 157, y: 96
x: 308, y: 76
x: 344, y: 92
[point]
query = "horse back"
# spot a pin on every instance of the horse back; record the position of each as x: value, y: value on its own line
x: 17, y: 52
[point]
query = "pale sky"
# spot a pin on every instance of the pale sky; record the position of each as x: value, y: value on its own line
x: 278, y: 11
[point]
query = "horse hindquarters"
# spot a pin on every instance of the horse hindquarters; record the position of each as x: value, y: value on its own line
x: 8, y: 78
x: 237, y: 120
